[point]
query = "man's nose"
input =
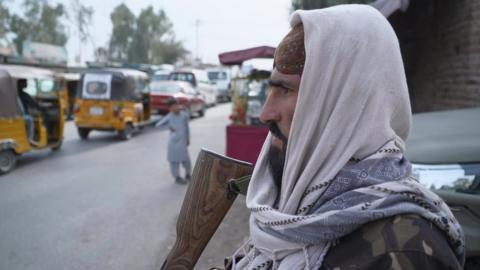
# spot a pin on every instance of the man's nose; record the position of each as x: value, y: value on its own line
x: 269, y: 112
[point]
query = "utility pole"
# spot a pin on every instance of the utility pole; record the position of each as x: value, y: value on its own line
x: 82, y: 16
x: 77, y: 17
x: 79, y: 60
x: 197, y: 38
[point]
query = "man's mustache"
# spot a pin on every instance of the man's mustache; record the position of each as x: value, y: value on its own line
x: 275, y: 130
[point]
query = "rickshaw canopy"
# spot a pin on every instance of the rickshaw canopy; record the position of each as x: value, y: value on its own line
x: 240, y: 56
x: 68, y: 76
x: 28, y: 72
x: 9, y: 106
x: 111, y: 84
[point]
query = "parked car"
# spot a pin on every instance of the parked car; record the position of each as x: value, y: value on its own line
x: 221, y: 78
x: 444, y: 148
x: 199, y: 80
x: 186, y: 95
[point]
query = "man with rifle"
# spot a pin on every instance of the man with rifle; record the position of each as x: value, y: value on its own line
x: 332, y: 188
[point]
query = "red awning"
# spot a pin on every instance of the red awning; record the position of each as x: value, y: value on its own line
x: 238, y: 57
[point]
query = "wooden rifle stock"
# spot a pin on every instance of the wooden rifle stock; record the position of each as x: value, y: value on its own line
x: 206, y: 203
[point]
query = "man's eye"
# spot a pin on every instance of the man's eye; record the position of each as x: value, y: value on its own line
x: 279, y: 90
x: 284, y: 90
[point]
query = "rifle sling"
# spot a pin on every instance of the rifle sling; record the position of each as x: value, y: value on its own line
x: 239, y: 185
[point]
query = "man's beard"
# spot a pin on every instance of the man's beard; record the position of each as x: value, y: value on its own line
x: 276, y: 156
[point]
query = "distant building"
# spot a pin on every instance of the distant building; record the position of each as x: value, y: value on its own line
x: 7, y: 48
x: 8, y: 51
x: 440, y: 42
x: 43, y: 53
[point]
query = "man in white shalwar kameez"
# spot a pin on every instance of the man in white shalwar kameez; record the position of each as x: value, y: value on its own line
x: 178, y: 141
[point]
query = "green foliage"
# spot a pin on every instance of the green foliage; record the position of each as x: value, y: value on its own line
x: 146, y: 39
x: 314, y: 4
x: 168, y: 51
x: 82, y: 17
x: 151, y: 27
x: 41, y: 22
x: 123, y: 21
x: 4, y: 20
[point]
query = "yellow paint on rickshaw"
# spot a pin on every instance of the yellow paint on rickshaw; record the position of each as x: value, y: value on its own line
x: 15, y: 129
x: 108, y: 119
x: 64, y: 97
x: 42, y: 133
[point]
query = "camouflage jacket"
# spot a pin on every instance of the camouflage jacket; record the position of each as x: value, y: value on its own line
x: 402, y: 242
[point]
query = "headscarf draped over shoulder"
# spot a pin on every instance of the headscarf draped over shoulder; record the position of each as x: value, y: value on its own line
x: 352, y: 104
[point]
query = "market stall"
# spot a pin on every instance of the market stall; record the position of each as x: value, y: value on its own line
x: 246, y: 134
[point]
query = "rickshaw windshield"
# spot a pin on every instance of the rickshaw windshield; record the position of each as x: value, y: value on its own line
x: 41, y: 87
x: 46, y: 87
x: 141, y: 85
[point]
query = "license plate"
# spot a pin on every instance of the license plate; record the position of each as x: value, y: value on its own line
x: 96, y: 111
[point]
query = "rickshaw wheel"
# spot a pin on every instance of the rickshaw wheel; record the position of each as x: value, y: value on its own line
x: 8, y: 160
x: 83, y: 133
x: 127, y: 132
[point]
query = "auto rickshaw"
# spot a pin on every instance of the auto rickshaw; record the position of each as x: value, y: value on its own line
x: 35, y: 127
x: 112, y: 100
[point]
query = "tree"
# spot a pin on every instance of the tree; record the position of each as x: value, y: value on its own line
x: 123, y: 21
x: 41, y: 22
x: 81, y: 17
x: 314, y: 4
x: 149, y: 28
x: 146, y: 39
x: 153, y: 38
x: 4, y: 21
x: 168, y: 51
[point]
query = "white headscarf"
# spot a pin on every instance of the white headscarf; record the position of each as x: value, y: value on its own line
x: 353, y: 100
x: 353, y: 97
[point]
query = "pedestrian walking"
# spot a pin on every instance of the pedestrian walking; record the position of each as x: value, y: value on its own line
x: 177, y: 152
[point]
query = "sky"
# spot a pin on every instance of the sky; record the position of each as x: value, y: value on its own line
x: 225, y: 25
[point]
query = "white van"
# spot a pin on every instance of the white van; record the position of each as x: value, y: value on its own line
x: 221, y: 78
x: 199, y: 80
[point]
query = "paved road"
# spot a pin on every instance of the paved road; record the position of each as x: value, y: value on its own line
x: 105, y: 203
